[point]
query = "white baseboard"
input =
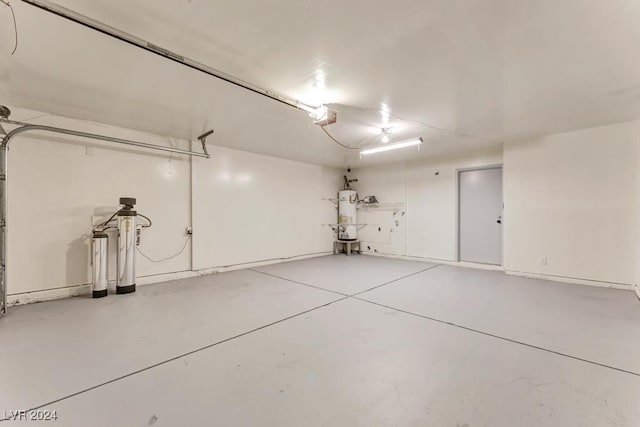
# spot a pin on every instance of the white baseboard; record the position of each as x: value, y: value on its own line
x: 572, y: 280
x: 47, y: 295
x: 548, y: 277
x: 476, y: 265
x: 253, y: 264
x: 438, y: 261
x: 85, y: 289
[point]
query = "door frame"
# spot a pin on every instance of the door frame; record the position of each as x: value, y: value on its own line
x: 476, y: 168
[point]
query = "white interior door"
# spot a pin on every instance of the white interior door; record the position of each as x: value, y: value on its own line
x: 480, y: 232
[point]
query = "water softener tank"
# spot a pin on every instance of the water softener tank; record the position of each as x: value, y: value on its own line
x: 126, y: 280
x: 100, y: 245
x: 347, y: 215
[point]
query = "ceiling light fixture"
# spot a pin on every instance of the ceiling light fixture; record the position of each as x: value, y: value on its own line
x: 385, y: 132
x: 404, y: 144
x: 385, y: 113
x: 323, y: 116
x: 319, y: 113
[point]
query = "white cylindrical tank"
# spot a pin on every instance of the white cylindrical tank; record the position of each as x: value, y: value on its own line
x: 126, y: 280
x: 127, y: 232
x: 100, y: 283
x: 347, y: 215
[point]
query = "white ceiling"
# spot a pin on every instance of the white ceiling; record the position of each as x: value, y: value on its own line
x: 480, y: 71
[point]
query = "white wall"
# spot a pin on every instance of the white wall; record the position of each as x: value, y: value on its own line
x: 249, y: 207
x: 571, y: 197
x: 57, y: 183
x: 428, y: 227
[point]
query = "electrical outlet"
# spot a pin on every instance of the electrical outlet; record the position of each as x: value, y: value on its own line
x: 189, y: 231
x: 543, y: 260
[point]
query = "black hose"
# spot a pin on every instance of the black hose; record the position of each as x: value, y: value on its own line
x: 107, y: 221
x: 148, y: 220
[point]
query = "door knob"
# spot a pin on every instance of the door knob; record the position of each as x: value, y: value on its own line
x: 499, y: 221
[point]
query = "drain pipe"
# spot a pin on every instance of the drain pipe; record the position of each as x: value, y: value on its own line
x: 4, y: 163
x: 78, y: 18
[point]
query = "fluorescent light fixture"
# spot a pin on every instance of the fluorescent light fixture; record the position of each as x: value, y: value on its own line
x: 404, y: 144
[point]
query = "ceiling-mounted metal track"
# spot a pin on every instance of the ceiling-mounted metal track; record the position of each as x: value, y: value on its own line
x: 27, y: 127
x: 165, y: 53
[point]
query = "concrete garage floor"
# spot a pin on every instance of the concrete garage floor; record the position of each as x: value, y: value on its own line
x: 335, y: 341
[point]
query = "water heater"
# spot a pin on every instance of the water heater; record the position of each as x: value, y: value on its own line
x: 347, y: 215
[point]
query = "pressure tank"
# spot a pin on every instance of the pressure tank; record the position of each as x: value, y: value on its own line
x: 100, y: 264
x: 347, y: 215
x: 126, y: 280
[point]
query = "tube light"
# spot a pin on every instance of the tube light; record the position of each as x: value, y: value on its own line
x: 404, y: 144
